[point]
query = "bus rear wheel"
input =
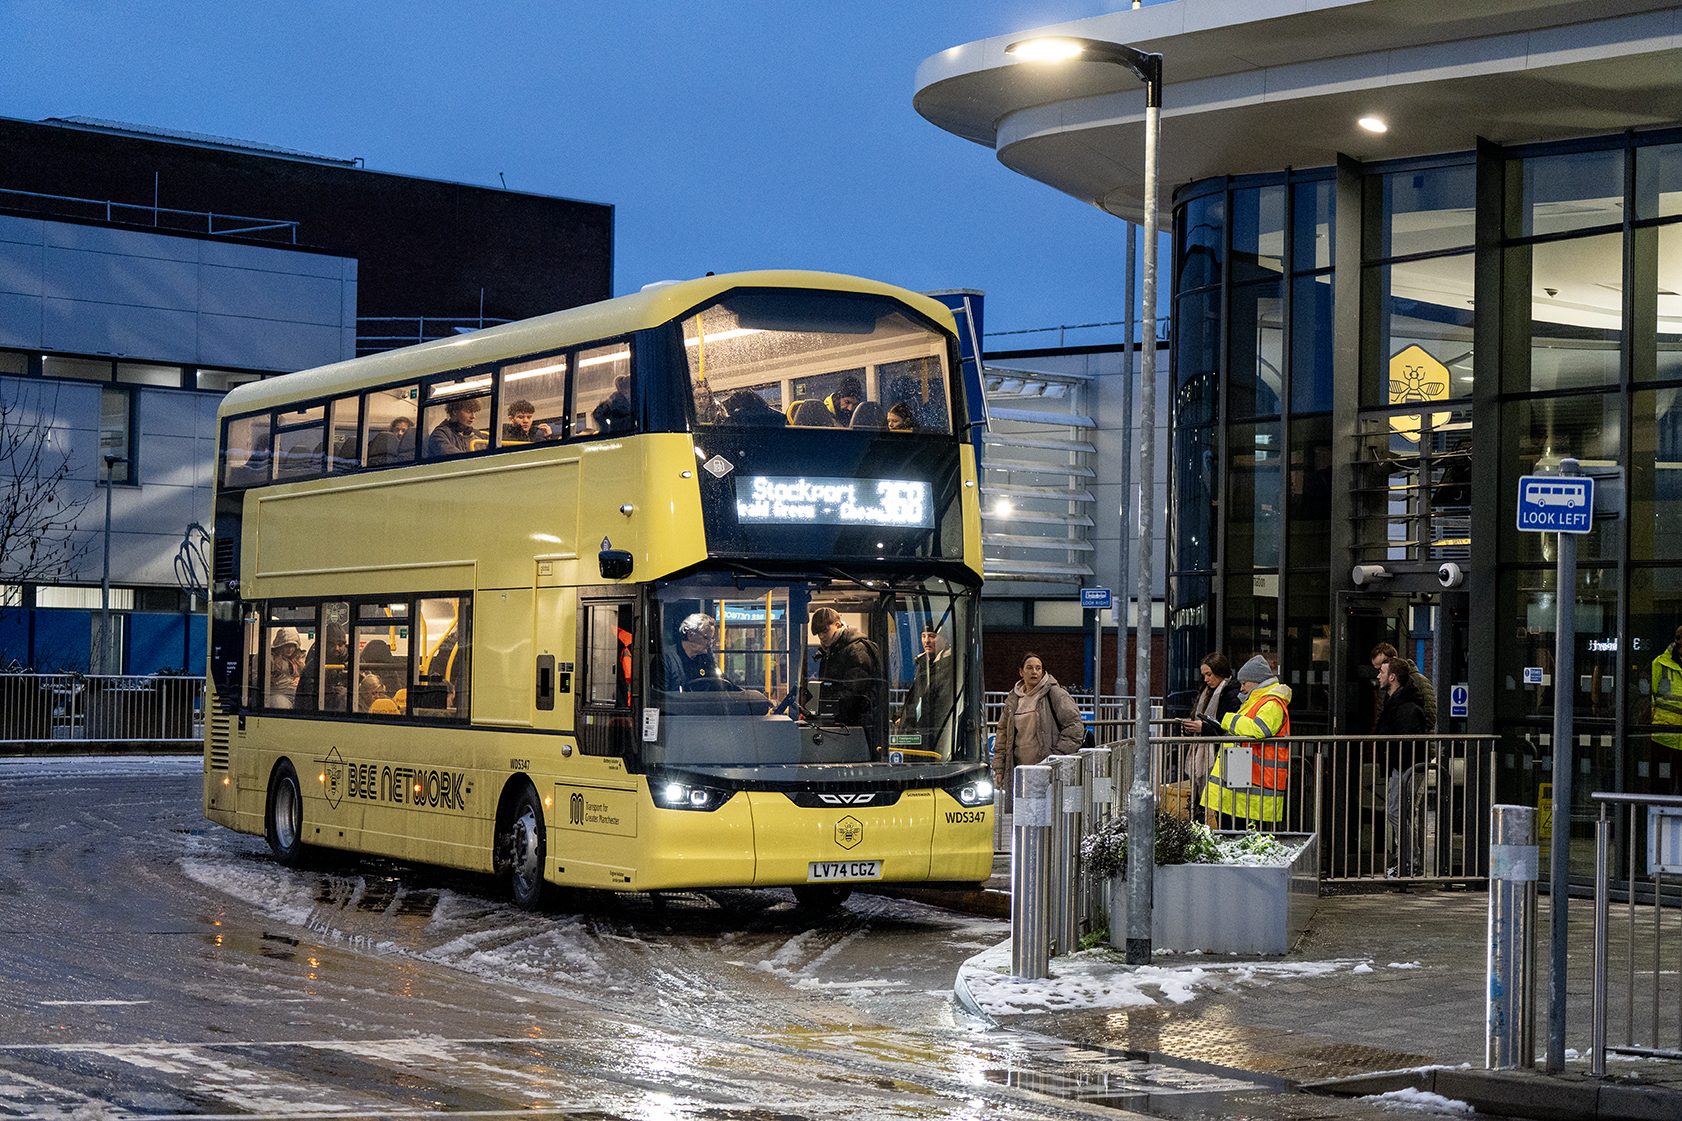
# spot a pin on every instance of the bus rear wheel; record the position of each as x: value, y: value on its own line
x: 283, y: 818
x: 821, y: 898
x: 526, y: 848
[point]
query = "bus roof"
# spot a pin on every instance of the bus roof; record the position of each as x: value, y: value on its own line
x: 650, y: 307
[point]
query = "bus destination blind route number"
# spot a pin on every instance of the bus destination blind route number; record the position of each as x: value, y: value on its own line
x: 781, y: 500
x: 844, y: 870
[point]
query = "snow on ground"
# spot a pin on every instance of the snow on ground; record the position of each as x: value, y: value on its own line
x: 1419, y: 1101
x: 1101, y: 979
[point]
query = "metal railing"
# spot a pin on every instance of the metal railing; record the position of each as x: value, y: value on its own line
x: 162, y: 217
x: 1406, y: 809
x: 46, y: 709
x: 409, y: 330
x: 1652, y: 989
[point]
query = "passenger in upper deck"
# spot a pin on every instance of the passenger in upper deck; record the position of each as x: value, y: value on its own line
x: 520, y: 429
x: 455, y: 435
x: 901, y: 418
x: 844, y: 400
x: 616, y: 414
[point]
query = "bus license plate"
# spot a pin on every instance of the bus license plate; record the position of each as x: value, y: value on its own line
x: 844, y: 870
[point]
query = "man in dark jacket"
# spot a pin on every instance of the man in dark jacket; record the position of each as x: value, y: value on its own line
x: 1403, y: 715
x: 851, y: 666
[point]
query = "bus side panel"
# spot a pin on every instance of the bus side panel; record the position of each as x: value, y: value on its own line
x: 504, y: 677
x: 553, y: 638
x: 615, y: 837
x: 788, y: 838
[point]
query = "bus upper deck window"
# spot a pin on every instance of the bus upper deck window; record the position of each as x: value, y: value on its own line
x: 388, y: 425
x: 248, y: 452
x: 533, y: 396
x: 604, y: 402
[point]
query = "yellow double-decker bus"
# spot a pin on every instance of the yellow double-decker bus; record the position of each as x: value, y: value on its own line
x: 678, y: 590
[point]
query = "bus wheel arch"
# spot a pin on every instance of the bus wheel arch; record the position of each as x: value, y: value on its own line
x: 522, y: 844
x: 283, y: 815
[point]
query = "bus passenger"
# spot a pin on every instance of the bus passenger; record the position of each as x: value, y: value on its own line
x: 844, y: 400
x: 334, y: 687
x: 455, y: 434
x: 393, y: 445
x: 286, y: 662
x: 851, y: 666
x: 370, y: 690
x: 520, y: 429
x: 691, y: 658
x: 615, y: 413
x: 901, y: 418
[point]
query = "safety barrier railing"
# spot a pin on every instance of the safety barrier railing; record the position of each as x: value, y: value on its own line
x: 42, y: 709
x: 163, y: 217
x: 1408, y: 809
x: 1651, y: 993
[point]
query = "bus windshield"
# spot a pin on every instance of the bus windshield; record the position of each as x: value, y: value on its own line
x: 792, y: 358
x: 757, y: 673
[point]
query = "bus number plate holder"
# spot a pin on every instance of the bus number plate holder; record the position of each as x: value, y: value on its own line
x: 826, y: 870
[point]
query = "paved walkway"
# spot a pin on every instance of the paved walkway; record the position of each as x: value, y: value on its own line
x: 1384, y: 992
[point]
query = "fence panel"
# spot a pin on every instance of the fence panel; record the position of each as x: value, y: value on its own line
x: 47, y: 708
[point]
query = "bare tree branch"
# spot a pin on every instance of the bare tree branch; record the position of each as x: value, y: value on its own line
x: 39, y: 500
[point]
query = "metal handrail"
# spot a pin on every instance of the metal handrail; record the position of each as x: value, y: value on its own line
x: 110, y: 206
x: 1602, y: 928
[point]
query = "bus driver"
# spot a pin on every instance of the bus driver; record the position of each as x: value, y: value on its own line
x: 691, y: 658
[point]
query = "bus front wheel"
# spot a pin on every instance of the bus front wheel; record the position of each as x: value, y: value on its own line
x: 284, y: 818
x: 525, y: 847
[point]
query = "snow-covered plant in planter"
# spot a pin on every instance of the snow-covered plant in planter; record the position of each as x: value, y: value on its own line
x: 1245, y: 892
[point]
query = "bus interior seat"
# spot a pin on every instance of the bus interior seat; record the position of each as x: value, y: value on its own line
x: 869, y: 414
x: 810, y: 414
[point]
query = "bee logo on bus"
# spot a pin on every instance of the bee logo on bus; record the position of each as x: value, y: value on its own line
x: 849, y: 831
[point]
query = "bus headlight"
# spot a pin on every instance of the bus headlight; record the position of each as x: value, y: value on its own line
x: 687, y: 796
x: 979, y: 792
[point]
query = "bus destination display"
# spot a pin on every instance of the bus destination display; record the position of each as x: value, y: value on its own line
x: 782, y: 500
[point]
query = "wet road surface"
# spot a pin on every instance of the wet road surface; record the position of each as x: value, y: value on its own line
x: 159, y: 966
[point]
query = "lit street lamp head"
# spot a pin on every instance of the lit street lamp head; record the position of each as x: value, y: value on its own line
x: 1061, y: 48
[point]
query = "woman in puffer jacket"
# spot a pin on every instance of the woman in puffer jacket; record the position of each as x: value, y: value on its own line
x: 1039, y: 720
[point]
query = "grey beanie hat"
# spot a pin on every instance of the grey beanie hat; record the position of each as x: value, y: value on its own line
x: 1255, y: 671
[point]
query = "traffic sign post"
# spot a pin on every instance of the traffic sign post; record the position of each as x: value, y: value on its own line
x: 1097, y: 599
x: 1562, y: 504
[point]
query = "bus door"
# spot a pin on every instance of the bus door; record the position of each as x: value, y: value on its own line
x: 609, y: 698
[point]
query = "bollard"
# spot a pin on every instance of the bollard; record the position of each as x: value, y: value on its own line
x: 1514, y: 862
x: 999, y: 798
x: 1096, y: 800
x: 1030, y: 867
x: 1066, y: 905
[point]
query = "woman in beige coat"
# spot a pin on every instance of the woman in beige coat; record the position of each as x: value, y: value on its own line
x: 1039, y: 720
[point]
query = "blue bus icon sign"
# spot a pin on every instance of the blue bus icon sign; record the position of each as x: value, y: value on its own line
x: 1556, y: 503
x: 1095, y: 597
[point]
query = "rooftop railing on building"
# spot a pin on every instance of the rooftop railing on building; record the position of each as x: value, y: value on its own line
x: 161, y: 217
x: 377, y: 333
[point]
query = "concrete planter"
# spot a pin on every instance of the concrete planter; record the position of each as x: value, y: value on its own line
x: 1227, y: 908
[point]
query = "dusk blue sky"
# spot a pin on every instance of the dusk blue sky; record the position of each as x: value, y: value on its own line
x: 728, y: 136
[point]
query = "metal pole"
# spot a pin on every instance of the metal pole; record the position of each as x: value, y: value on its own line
x: 1559, y: 855
x: 1141, y: 796
x: 1095, y: 800
x: 1097, y: 661
x: 1066, y: 906
x: 1030, y: 866
x: 1602, y: 889
x: 104, y: 652
x: 1123, y: 566
x: 1509, y: 1015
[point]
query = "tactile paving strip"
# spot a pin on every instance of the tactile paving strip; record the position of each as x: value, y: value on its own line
x: 1290, y: 1055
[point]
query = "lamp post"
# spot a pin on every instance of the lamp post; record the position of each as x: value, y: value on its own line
x: 1141, y: 795
x: 111, y: 462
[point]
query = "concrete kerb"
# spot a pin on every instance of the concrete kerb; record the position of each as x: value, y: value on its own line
x: 960, y: 985
x: 1518, y: 1093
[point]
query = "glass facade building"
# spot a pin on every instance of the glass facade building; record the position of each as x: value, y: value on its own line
x: 1499, y: 309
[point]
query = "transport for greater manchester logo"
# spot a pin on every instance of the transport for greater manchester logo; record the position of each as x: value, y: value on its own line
x: 849, y: 831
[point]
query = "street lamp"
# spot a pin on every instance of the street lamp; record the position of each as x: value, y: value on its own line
x: 1141, y: 796
x: 111, y: 462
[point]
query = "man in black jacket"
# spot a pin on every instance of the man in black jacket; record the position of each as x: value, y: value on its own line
x: 1403, y: 715
x: 851, y: 666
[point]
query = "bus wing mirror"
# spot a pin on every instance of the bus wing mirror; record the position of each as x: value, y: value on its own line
x: 615, y: 564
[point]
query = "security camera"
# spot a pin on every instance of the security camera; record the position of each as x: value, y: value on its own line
x: 1364, y: 574
x: 1451, y: 575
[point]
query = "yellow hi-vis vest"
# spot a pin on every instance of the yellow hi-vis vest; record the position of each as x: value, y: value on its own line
x: 1259, y: 796
x: 1667, y: 698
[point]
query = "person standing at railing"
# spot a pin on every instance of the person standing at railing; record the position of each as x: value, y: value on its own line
x: 1219, y: 698
x: 1421, y: 684
x: 1667, y: 709
x: 1263, y: 713
x: 1402, y: 714
x: 1039, y: 720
